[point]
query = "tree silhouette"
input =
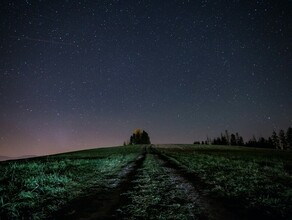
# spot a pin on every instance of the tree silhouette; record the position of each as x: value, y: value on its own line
x: 227, y: 137
x: 282, y: 139
x: 145, y: 139
x: 289, y: 138
x: 233, y: 140
x: 239, y: 140
x: 139, y: 137
x: 275, y: 140
x: 224, y: 139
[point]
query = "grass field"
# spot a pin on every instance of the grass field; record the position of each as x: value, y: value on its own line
x: 150, y: 182
x: 35, y: 188
x: 257, y: 178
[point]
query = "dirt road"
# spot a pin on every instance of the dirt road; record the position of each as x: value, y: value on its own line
x: 152, y: 187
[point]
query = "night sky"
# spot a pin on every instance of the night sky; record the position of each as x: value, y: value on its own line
x: 85, y: 74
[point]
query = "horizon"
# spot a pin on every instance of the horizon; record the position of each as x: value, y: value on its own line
x: 81, y: 148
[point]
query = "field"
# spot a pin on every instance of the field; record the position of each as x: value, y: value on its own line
x: 150, y: 182
x: 39, y: 187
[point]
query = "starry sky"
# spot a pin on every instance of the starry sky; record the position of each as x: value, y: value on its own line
x: 85, y: 74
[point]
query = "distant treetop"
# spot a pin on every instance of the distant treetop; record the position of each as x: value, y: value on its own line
x: 139, y: 137
x: 137, y: 131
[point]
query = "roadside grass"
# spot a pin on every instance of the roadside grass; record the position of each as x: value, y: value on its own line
x: 260, y: 179
x: 35, y: 188
x: 155, y: 196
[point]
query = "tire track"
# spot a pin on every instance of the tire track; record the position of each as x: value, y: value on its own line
x: 157, y: 194
x: 212, y: 207
x: 102, y: 202
x: 155, y: 186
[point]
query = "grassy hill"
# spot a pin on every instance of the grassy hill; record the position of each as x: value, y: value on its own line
x: 153, y: 182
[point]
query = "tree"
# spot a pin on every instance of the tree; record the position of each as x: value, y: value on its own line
x: 282, y: 139
x: 233, y: 139
x: 262, y: 142
x: 227, y: 136
x: 270, y: 143
x: 275, y: 140
x: 252, y: 142
x: 132, y: 139
x: 217, y: 141
x: 140, y: 137
x: 239, y: 140
x: 289, y: 138
x: 224, y: 140
x: 208, y: 141
x: 145, y: 139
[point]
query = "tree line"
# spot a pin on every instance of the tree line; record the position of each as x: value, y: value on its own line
x: 138, y: 137
x: 281, y: 140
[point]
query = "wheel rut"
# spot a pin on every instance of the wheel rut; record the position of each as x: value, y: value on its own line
x: 213, y: 207
x: 102, y: 202
x: 194, y: 190
x: 161, y: 191
x: 152, y: 187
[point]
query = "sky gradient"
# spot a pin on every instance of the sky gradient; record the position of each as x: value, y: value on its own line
x: 85, y: 74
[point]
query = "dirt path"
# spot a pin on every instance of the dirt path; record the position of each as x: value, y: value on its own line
x: 164, y: 190
x: 152, y: 187
x: 194, y: 191
x: 155, y: 194
x: 213, y: 207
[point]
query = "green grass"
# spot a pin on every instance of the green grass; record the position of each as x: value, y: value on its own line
x: 258, y: 178
x: 35, y: 188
